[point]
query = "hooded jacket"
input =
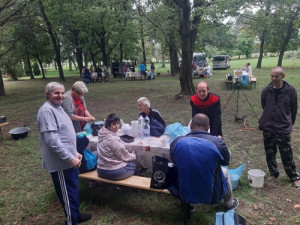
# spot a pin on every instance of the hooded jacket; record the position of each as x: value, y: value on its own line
x: 111, y: 150
x: 279, y: 113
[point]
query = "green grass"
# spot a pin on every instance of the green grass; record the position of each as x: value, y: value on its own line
x: 27, y: 195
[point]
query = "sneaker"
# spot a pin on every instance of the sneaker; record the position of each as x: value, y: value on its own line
x: 296, y: 183
x: 84, y: 217
x: 235, y: 203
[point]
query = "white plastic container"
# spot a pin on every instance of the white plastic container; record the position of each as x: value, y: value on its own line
x: 256, y: 178
x: 134, y: 126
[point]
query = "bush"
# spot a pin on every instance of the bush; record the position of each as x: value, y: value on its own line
x: 26, y: 70
x: 36, y: 69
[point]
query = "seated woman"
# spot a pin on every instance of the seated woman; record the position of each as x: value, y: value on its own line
x: 114, y: 161
x: 144, y: 107
x: 74, y: 106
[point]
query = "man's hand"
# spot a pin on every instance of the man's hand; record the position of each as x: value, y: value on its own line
x: 79, y: 156
x: 75, y: 163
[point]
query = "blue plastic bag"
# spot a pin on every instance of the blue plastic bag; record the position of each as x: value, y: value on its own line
x: 91, y: 160
x: 175, y: 130
x: 230, y: 217
x: 235, y: 175
x: 87, y: 128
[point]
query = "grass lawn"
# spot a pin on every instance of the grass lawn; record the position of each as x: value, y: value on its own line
x: 27, y: 195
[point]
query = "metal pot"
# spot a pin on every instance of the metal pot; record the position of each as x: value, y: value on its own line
x: 2, y: 119
x: 19, y: 132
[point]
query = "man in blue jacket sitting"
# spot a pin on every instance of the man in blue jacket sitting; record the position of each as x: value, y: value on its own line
x: 198, y: 157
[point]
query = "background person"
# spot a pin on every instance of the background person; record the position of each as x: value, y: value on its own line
x: 198, y: 157
x: 75, y: 106
x: 59, y: 154
x: 114, y: 161
x: 144, y: 107
x: 248, y: 69
x: 208, y: 104
x: 206, y: 71
x: 279, y: 103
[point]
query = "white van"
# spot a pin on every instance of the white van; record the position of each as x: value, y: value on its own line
x: 221, y: 62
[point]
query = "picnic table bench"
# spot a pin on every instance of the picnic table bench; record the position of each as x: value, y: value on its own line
x: 133, y: 76
x: 133, y: 181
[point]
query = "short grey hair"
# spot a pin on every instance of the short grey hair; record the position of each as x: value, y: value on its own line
x: 144, y: 101
x: 80, y: 86
x: 52, y: 85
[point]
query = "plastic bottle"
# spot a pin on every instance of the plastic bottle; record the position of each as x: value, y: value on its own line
x: 146, y: 127
x: 140, y: 126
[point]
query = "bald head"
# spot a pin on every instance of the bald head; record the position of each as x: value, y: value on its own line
x: 202, y: 90
x: 279, y: 70
x: 200, y: 121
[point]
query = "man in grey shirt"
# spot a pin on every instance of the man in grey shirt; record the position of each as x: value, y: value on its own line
x: 58, y: 147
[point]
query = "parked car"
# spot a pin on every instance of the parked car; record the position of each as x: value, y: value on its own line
x: 221, y: 62
x: 199, y: 59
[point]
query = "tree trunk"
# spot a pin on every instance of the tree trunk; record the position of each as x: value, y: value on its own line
x: 2, y: 90
x: 54, y: 39
x: 70, y: 64
x: 41, y: 66
x: 121, y: 60
x: 29, y: 65
x: 79, y: 59
x: 86, y: 64
x: 287, y: 37
x: 261, y: 52
x: 163, y: 64
x: 188, y: 34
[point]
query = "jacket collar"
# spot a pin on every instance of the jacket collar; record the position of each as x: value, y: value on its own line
x: 200, y: 131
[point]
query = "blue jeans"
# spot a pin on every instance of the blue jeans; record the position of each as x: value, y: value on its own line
x: 118, y: 174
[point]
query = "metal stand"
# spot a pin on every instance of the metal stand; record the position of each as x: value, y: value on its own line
x: 236, y: 119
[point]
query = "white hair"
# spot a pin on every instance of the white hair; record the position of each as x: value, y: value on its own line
x: 80, y: 86
x: 52, y: 85
x: 144, y: 101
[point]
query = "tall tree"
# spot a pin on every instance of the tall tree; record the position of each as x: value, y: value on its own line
x: 54, y: 38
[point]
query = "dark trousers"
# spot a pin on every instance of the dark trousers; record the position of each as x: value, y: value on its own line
x: 66, y: 187
x: 283, y: 142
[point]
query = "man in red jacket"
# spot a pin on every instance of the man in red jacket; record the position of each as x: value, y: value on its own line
x: 208, y: 104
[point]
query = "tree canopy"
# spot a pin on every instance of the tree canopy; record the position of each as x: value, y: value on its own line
x: 101, y: 31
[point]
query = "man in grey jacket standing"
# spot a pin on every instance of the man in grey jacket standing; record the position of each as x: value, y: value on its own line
x: 59, y: 153
x: 279, y: 103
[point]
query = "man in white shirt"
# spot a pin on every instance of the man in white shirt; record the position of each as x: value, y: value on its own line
x: 206, y: 71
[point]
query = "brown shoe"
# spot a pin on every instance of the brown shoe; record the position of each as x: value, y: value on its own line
x: 296, y: 183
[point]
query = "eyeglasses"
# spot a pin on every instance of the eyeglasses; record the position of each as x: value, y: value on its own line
x: 79, y: 93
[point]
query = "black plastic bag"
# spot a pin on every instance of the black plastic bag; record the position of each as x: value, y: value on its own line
x: 95, y: 128
x: 163, y: 173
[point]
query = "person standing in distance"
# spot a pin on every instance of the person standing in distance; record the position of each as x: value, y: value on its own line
x: 59, y: 154
x: 208, y: 104
x: 279, y: 103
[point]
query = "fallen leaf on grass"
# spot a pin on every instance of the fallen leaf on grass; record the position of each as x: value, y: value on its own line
x: 273, y: 218
x: 288, y: 200
x: 255, y: 206
x: 296, y: 206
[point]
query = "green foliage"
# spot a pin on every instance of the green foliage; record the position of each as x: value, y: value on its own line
x: 26, y: 70
x: 36, y: 69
